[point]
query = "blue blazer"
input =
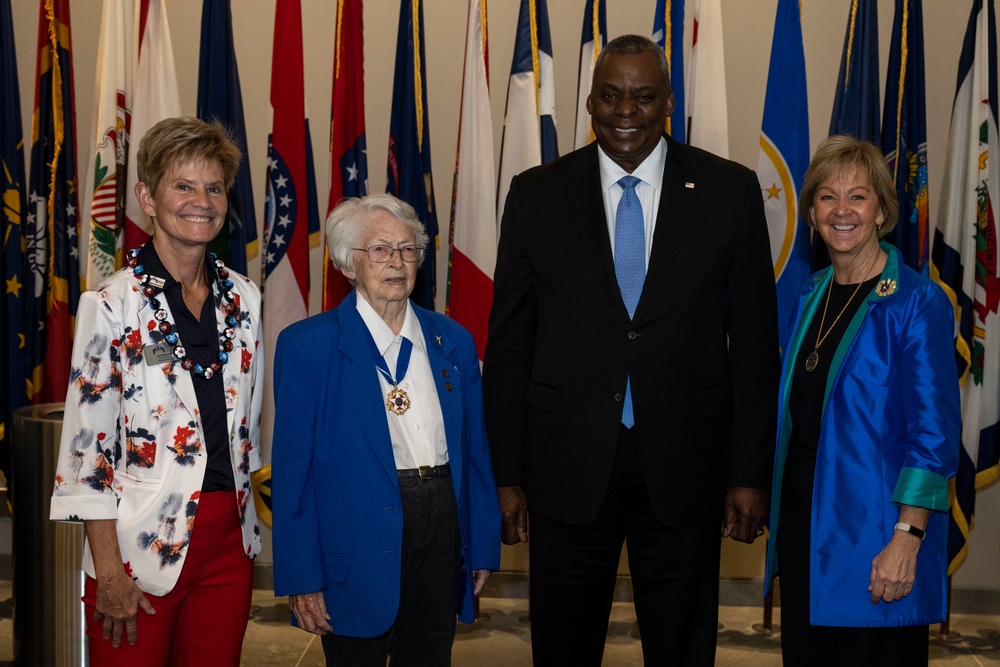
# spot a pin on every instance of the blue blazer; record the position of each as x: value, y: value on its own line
x: 338, y: 522
x: 890, y: 435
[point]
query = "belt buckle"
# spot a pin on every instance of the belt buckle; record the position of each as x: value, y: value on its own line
x: 425, y: 472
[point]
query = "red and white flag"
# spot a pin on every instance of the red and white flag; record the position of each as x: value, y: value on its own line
x: 473, y: 211
x: 154, y: 97
x: 708, y: 118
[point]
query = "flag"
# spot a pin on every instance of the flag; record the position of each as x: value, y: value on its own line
x: 964, y: 262
x: 409, y: 165
x: 708, y: 117
x: 668, y: 33
x: 104, y: 178
x: 348, y: 159
x: 220, y: 98
x: 595, y: 34
x: 784, y: 157
x: 473, y: 235
x: 855, y: 104
x: 154, y: 97
x: 904, y: 133
x: 14, y: 380
x: 529, y: 127
x: 52, y: 227
x: 290, y: 213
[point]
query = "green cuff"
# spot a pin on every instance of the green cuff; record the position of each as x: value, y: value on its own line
x: 921, y: 488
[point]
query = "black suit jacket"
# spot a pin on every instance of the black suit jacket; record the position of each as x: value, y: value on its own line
x: 702, y: 350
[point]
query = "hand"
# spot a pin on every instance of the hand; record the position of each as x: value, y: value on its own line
x: 479, y: 579
x: 118, y: 604
x: 514, y: 510
x: 310, y: 612
x: 746, y: 508
x: 895, y: 568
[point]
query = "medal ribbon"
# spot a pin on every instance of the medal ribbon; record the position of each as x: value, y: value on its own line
x: 402, y: 362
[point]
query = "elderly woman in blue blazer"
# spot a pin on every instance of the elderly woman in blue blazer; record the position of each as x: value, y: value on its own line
x: 386, y: 520
x: 868, y: 433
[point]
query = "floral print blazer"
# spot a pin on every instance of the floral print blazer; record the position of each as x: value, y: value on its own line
x: 132, y: 439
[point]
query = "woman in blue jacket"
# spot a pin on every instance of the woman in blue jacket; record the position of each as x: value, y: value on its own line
x: 386, y: 519
x: 868, y: 433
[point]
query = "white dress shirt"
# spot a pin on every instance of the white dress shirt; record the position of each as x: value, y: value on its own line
x: 650, y: 173
x: 418, y: 437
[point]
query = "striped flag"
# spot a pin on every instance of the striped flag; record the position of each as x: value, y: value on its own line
x: 904, y: 133
x: 288, y: 215
x: 104, y: 179
x: 964, y: 261
x: 52, y: 227
x: 348, y: 159
x: 409, y: 165
x: 529, y: 127
x: 668, y: 32
x: 473, y: 235
x: 154, y: 97
x: 784, y: 156
x: 595, y: 34
x: 220, y: 98
x: 13, y: 383
x: 708, y: 116
x: 855, y: 105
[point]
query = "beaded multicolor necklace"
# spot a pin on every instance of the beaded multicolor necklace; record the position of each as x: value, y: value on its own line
x: 151, y: 287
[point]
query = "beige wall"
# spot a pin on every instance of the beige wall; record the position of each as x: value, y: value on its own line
x: 747, y: 25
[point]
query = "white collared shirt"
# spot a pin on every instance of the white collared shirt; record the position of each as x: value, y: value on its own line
x: 418, y: 436
x: 650, y: 172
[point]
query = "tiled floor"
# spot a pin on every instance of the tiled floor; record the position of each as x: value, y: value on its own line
x: 500, y: 638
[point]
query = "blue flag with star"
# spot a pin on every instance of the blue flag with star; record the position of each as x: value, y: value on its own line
x: 784, y: 156
x: 13, y: 381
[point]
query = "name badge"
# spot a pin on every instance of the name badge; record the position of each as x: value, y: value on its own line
x: 158, y: 354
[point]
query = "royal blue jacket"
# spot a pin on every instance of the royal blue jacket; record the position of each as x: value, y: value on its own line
x: 890, y: 435
x: 338, y: 521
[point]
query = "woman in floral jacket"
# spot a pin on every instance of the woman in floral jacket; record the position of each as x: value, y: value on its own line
x: 162, y: 418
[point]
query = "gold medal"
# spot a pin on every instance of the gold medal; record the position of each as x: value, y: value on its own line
x: 397, y: 401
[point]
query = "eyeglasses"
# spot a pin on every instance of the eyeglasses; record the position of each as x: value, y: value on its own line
x: 380, y: 254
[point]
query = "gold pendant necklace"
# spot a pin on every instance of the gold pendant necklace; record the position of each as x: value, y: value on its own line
x: 813, y: 359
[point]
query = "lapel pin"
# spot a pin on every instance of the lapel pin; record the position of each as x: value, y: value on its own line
x: 438, y: 339
x: 689, y: 185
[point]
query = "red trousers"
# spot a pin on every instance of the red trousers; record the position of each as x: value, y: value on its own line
x: 202, y: 621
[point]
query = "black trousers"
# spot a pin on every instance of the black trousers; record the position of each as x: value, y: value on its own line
x: 675, y: 578
x: 428, y: 600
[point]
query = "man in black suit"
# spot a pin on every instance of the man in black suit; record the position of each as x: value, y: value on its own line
x: 631, y: 372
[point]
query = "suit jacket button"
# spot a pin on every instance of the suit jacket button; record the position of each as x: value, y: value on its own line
x: 631, y: 335
x: 447, y: 385
x: 618, y: 398
x: 444, y: 373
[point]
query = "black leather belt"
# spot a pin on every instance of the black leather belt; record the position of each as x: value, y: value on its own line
x: 425, y: 472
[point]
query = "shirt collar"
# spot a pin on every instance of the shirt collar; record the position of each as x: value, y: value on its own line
x: 153, y: 266
x: 380, y: 331
x: 649, y: 172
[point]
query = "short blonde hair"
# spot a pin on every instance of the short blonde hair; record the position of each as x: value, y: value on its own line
x: 345, y: 226
x: 175, y: 141
x: 839, y: 153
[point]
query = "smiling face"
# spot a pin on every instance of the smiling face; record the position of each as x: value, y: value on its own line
x: 847, y: 214
x: 629, y: 104
x: 388, y: 285
x: 189, y: 205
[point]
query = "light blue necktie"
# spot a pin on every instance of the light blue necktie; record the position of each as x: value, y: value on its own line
x: 630, y: 263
